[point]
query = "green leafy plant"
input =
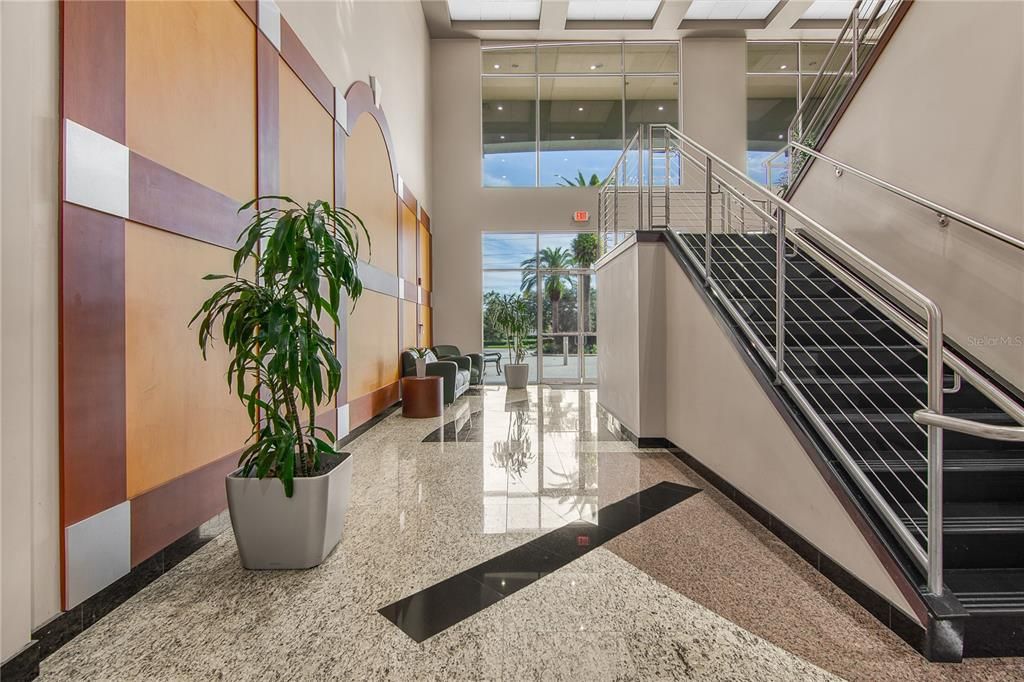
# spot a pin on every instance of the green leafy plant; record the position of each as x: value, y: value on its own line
x: 419, y: 352
x: 585, y: 251
x: 281, y: 362
x: 556, y: 285
x: 510, y: 315
x: 580, y: 180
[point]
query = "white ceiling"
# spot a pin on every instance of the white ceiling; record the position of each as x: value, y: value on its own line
x: 730, y: 9
x: 583, y: 20
x: 494, y: 10
x: 612, y: 10
x: 838, y: 10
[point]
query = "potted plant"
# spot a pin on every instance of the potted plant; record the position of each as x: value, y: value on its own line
x: 288, y: 497
x: 510, y: 315
x: 421, y: 360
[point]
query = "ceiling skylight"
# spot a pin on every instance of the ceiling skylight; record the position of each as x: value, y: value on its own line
x: 726, y: 10
x: 612, y: 10
x: 494, y: 10
x: 840, y: 9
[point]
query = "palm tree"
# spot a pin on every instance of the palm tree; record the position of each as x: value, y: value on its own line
x: 555, y: 285
x: 584, y: 252
x: 580, y: 180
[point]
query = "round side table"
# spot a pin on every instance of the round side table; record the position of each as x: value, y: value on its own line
x: 422, y: 397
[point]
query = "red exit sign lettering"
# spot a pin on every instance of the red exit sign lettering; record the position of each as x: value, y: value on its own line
x: 581, y: 216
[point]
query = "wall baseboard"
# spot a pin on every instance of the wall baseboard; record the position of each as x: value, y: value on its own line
x: 64, y: 627
x: 888, y: 615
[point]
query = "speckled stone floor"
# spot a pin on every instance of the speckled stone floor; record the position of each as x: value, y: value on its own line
x: 698, y: 592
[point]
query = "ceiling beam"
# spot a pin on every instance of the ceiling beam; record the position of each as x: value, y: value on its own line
x: 553, y: 14
x: 788, y: 14
x: 671, y: 14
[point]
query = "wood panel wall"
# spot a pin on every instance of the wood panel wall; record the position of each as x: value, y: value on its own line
x: 195, y: 107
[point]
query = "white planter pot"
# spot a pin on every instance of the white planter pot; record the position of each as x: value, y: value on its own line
x: 421, y: 367
x: 275, y: 531
x: 517, y: 376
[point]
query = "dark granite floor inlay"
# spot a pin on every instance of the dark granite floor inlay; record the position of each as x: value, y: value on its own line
x: 442, y: 605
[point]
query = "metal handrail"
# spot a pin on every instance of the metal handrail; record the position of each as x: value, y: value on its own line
x: 608, y: 216
x: 942, y: 211
x: 852, y: 266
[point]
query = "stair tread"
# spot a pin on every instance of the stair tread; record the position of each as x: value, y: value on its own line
x: 977, y: 517
x: 953, y: 460
x: 988, y: 590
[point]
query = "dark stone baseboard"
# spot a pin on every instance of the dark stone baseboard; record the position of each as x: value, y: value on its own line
x: 888, y: 615
x: 64, y: 627
x: 23, y: 665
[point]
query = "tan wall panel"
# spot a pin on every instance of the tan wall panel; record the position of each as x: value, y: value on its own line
x: 306, y: 142
x: 424, y: 258
x: 191, y: 91
x: 372, y: 343
x: 370, y: 191
x: 427, y: 330
x: 408, y: 324
x: 179, y: 413
x: 409, y: 256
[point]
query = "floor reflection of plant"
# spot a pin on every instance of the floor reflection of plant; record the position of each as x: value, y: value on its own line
x: 573, y: 486
x: 516, y: 452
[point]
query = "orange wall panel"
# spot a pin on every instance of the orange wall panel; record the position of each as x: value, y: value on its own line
x: 180, y: 414
x: 427, y: 328
x: 372, y: 343
x: 424, y: 259
x: 306, y: 142
x: 370, y: 191
x: 190, y: 91
x: 409, y: 255
x: 408, y: 325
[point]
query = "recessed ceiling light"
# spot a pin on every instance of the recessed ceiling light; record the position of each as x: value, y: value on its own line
x: 502, y: 137
x: 593, y: 67
x: 565, y: 159
x: 780, y: 137
x: 661, y: 108
x: 501, y: 108
x: 503, y: 177
x: 572, y: 137
x: 783, y: 67
x: 581, y: 109
x: 497, y: 66
x: 503, y: 160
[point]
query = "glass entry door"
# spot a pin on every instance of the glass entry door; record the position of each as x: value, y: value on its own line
x: 566, y: 320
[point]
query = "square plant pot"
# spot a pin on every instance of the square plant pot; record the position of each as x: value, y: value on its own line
x: 517, y: 376
x: 277, y: 532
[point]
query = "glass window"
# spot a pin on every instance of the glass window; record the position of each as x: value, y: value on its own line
x: 772, y: 57
x: 580, y: 128
x: 564, y: 126
x: 517, y: 60
x: 652, y: 58
x: 599, y: 58
x: 509, y: 132
x: 771, y: 105
x: 508, y: 250
x: 812, y: 57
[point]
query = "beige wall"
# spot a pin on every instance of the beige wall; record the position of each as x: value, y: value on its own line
x: 463, y: 209
x: 387, y: 39
x: 952, y: 131
x: 713, y: 407
x: 713, y: 79
x: 618, y: 344
x: 714, y: 82
x: 29, y: 537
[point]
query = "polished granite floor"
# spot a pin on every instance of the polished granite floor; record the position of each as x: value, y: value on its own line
x: 625, y: 564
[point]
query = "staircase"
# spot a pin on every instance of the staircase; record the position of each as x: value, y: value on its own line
x: 929, y: 445
x: 865, y: 378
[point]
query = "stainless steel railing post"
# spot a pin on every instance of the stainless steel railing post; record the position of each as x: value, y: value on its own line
x: 707, y: 219
x: 935, y: 454
x: 780, y: 293
x: 856, y: 35
x: 668, y: 186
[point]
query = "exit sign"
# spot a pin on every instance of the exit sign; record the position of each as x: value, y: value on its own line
x: 581, y: 216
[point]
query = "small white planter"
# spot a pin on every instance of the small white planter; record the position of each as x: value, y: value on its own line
x: 421, y: 367
x: 517, y: 376
x: 277, y: 532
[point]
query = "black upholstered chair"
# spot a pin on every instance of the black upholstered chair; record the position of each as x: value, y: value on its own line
x: 476, y: 371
